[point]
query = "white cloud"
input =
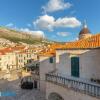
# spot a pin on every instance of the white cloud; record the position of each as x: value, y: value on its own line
x: 34, y: 33
x: 56, y: 5
x: 10, y: 25
x: 63, y: 34
x: 70, y: 22
x: 47, y: 22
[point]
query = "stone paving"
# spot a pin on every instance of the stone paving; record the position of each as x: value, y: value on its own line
x: 20, y: 94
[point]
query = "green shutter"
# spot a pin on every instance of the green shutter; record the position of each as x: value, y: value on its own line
x: 75, y: 66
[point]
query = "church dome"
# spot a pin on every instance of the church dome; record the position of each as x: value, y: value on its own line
x: 84, y: 31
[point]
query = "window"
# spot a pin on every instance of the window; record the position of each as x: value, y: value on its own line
x: 19, y: 55
x: 27, y: 55
x: 51, y: 59
x: 30, y: 61
x: 37, y: 57
x: 24, y: 63
x: 24, y: 58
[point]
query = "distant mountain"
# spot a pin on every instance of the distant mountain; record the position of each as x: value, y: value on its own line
x: 17, y: 36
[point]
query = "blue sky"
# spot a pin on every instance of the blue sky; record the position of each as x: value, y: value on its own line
x: 59, y: 20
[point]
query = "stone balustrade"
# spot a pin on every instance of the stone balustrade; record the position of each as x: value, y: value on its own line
x: 77, y: 85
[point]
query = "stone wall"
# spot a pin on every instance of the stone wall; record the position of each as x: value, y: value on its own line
x: 66, y: 93
x: 45, y: 67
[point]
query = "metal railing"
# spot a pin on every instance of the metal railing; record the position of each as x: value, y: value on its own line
x: 77, y: 85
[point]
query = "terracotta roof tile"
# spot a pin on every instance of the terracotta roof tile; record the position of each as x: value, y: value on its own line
x: 91, y: 42
x: 51, y: 50
x: 10, y: 49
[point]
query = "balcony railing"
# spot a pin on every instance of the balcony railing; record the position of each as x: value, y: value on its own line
x: 77, y: 85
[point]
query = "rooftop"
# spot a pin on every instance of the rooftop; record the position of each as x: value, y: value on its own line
x: 11, y: 49
x: 88, y: 43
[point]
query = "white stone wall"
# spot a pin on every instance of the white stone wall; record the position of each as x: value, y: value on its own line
x: 45, y: 67
x: 90, y: 64
x: 63, y: 62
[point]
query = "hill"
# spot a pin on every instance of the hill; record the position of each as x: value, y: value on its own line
x: 17, y: 36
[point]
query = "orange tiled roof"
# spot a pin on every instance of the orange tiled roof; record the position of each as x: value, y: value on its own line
x: 5, y: 50
x: 92, y: 42
x: 88, y: 43
x: 18, y: 48
x: 11, y: 49
x: 51, y: 50
x: 2, y: 52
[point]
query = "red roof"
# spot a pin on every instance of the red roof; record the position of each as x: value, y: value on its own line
x: 88, y: 43
x: 91, y: 42
x: 10, y: 49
